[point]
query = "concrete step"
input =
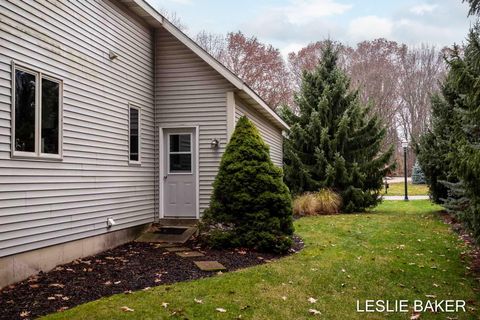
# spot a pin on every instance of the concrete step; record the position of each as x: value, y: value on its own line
x: 177, y: 222
x: 156, y: 235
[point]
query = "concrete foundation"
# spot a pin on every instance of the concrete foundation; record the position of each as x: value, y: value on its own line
x: 20, y: 266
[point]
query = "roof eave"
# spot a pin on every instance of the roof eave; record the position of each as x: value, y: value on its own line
x: 205, y: 56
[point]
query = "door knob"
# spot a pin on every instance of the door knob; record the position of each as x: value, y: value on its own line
x: 164, y: 177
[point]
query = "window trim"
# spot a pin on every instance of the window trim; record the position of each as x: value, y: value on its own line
x: 180, y: 152
x: 139, y: 137
x: 37, y: 154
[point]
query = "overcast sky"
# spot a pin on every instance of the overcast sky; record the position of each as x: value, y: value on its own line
x: 291, y: 24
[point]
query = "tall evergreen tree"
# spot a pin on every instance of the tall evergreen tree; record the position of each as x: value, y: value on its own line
x: 436, y: 148
x: 467, y: 159
x: 334, y: 141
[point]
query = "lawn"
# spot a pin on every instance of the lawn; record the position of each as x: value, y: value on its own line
x: 398, y: 189
x: 401, y: 250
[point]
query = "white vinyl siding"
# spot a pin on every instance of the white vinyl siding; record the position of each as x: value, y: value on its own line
x: 46, y: 202
x: 270, y: 133
x: 191, y: 93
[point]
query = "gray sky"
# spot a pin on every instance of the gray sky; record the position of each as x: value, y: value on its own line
x: 291, y: 24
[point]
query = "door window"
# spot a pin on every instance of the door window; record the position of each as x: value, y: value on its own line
x: 180, y: 153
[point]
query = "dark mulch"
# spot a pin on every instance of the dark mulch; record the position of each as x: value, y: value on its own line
x: 472, y: 255
x: 133, y: 266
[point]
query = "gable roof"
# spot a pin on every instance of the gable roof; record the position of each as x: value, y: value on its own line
x: 143, y: 9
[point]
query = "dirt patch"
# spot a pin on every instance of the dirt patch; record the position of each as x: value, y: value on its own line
x: 130, y: 267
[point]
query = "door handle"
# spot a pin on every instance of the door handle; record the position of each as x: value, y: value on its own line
x: 164, y: 177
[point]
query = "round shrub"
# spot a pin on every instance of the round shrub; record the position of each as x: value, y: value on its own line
x: 250, y: 205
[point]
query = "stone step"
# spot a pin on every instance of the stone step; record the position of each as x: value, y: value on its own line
x: 188, y: 254
x: 178, y: 249
x: 210, y: 265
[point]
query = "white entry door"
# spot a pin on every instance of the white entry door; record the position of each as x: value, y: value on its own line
x: 180, y: 173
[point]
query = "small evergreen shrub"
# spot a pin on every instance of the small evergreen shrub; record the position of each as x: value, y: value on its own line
x: 323, y: 202
x: 418, y: 177
x: 250, y: 206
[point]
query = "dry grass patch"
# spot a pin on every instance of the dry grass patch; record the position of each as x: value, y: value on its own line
x: 323, y: 202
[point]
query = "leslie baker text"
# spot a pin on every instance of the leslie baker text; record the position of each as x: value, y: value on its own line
x: 408, y: 305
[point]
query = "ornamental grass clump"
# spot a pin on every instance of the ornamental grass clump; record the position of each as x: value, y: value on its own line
x: 324, y: 202
x: 250, y: 205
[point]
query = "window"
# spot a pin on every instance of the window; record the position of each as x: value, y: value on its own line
x: 134, y: 134
x: 36, y: 115
x: 180, y: 153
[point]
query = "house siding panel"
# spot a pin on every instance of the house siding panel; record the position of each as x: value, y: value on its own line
x: 42, y: 202
x: 191, y: 93
x: 270, y: 133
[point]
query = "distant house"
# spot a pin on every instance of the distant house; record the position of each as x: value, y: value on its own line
x: 107, y: 111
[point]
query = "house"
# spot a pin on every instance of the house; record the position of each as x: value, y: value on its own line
x: 110, y: 119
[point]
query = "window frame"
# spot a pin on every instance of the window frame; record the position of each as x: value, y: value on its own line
x: 39, y: 75
x: 179, y: 152
x: 139, y: 136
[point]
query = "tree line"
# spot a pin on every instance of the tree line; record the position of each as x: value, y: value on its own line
x: 396, y: 80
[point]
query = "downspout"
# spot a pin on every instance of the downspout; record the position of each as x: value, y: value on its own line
x: 156, y: 184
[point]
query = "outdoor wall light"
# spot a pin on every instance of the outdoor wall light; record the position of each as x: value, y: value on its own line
x: 112, y: 55
x: 214, y: 144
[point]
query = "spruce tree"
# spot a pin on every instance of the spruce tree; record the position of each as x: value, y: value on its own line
x: 466, y: 72
x: 334, y: 141
x: 436, y: 148
x: 418, y: 177
x: 251, y: 205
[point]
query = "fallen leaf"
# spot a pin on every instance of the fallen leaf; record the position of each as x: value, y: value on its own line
x: 65, y: 298
x: 62, y: 309
x: 24, y: 314
x: 436, y: 285
x: 220, y: 310
x: 431, y: 296
x: 117, y: 282
x: 108, y: 283
x: 51, y: 298
x: 128, y: 292
x: 56, y: 285
x: 314, y: 312
x: 126, y: 309
x: 415, y: 316
x: 146, y: 289
x: 33, y: 286
x: 165, y: 304
x: 312, y: 300
x: 284, y: 298
x: 199, y: 301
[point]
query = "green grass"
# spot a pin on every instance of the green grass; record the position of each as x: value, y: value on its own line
x: 400, y: 250
x: 398, y: 189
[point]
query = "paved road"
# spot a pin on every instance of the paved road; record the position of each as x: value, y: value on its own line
x: 403, y: 197
x: 398, y: 179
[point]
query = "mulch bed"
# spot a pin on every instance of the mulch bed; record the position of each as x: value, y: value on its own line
x: 130, y: 267
x: 472, y: 255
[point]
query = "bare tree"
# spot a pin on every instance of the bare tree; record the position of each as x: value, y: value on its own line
x: 421, y: 70
x: 261, y: 66
x: 373, y: 68
x: 308, y: 58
